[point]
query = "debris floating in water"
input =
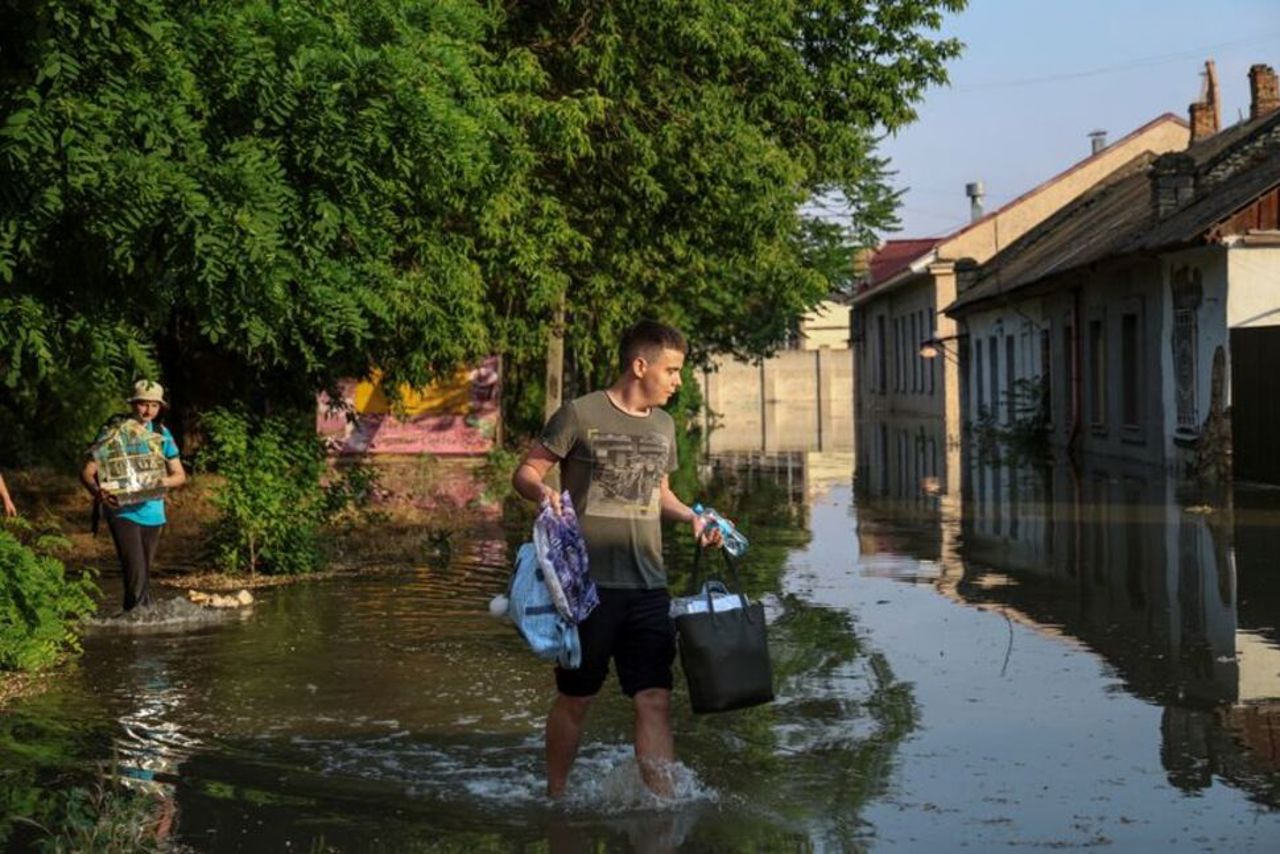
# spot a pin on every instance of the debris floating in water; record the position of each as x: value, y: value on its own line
x: 218, y: 600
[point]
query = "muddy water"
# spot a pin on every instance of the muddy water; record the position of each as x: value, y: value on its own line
x: 1031, y: 659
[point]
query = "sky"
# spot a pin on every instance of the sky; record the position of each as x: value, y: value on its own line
x: 1037, y: 76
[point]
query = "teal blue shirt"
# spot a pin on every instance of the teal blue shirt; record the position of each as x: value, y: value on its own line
x: 150, y: 513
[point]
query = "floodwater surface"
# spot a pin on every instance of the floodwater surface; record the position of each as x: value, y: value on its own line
x: 1038, y: 660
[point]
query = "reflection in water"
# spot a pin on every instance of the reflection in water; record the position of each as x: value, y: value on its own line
x: 1075, y: 655
x: 389, y: 711
x: 1113, y: 559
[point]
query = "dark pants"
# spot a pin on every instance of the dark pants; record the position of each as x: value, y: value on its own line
x: 136, y: 548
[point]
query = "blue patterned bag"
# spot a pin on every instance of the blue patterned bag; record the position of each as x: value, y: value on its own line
x: 536, y: 617
x: 562, y: 553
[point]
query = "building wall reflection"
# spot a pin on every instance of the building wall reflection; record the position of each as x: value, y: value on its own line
x: 1117, y: 559
x: 788, y: 420
x: 908, y: 487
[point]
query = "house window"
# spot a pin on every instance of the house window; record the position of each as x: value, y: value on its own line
x: 994, y: 352
x: 1069, y: 371
x: 882, y: 356
x: 932, y: 366
x: 1130, y: 380
x: 1097, y: 374
x: 920, y: 360
x: 980, y: 399
x: 920, y: 366
x: 1046, y: 359
x: 1010, y: 374
x: 897, y: 354
x: 1184, y: 366
x: 914, y: 353
x: 900, y: 364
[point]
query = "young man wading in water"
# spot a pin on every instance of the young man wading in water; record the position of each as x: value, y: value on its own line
x: 616, y: 449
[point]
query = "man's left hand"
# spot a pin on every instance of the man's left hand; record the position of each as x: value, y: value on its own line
x: 705, y: 535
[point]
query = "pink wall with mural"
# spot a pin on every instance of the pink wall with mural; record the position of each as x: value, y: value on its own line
x: 457, y: 416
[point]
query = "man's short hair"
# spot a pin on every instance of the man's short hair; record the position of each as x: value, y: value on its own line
x: 647, y: 339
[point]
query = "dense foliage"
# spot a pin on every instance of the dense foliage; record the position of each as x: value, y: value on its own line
x: 720, y: 120
x: 39, y: 605
x: 251, y: 199
x: 274, y: 500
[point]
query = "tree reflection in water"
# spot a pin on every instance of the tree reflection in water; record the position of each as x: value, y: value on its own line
x: 389, y: 712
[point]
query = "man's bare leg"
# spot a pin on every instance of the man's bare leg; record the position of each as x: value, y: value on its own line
x: 655, y: 747
x: 564, y: 734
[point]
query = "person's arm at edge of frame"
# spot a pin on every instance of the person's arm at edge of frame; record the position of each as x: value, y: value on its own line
x: 528, y: 477
x: 9, y: 508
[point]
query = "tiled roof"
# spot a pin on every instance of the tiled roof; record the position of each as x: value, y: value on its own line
x: 1118, y: 217
x: 895, y: 256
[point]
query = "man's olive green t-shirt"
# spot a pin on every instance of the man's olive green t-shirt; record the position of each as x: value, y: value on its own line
x: 612, y: 463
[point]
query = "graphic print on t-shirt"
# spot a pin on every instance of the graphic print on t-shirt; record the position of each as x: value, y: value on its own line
x: 625, y: 473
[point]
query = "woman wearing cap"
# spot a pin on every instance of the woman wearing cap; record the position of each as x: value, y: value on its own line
x: 135, y: 528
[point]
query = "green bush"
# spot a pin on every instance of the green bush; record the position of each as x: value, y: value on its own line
x: 39, y: 604
x: 273, y: 503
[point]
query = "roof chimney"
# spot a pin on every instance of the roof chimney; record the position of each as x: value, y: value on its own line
x: 1097, y: 140
x: 975, y: 192
x: 862, y: 261
x: 1173, y: 182
x: 1264, y: 91
x: 1206, y: 113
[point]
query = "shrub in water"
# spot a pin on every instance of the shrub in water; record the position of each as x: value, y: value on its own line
x: 273, y: 504
x: 39, y: 605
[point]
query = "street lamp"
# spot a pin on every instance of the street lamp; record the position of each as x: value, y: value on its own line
x: 931, y: 348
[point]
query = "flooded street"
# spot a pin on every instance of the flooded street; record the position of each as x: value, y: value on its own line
x: 1039, y: 659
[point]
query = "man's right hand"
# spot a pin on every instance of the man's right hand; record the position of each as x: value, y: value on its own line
x: 109, y: 499
x: 552, y: 498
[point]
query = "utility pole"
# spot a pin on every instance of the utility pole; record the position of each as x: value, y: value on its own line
x: 555, y: 377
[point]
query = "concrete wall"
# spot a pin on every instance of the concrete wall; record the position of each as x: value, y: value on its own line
x: 1254, y: 300
x: 826, y: 326
x: 797, y: 400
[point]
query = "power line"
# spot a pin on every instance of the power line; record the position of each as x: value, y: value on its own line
x: 1144, y: 62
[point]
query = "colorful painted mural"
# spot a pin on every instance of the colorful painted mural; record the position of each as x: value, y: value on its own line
x: 457, y: 416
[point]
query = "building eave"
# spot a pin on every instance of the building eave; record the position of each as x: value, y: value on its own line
x: 916, y: 268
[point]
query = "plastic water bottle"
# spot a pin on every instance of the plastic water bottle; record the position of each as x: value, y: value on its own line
x: 734, y: 543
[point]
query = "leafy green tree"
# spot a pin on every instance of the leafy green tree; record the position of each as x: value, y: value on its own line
x: 720, y: 120
x: 262, y: 195
x: 251, y: 199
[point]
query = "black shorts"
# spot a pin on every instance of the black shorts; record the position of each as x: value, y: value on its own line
x: 634, y: 628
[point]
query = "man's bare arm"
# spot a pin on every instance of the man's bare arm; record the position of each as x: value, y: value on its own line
x: 672, y: 507
x: 529, y: 475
